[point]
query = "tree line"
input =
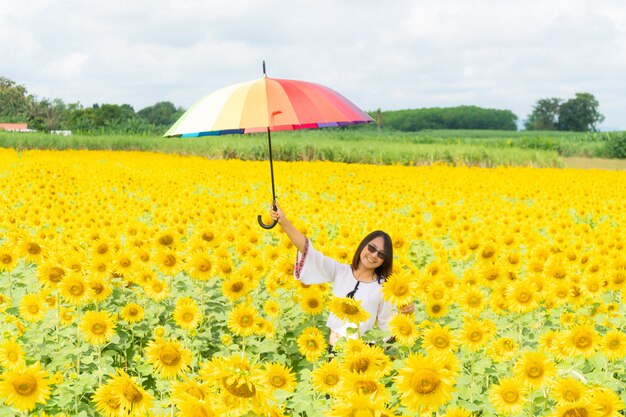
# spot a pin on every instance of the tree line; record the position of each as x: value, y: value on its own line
x: 17, y: 105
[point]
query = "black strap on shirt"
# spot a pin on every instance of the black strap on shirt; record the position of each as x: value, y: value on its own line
x: 351, y: 293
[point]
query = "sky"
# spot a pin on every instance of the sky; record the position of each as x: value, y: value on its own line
x: 388, y: 55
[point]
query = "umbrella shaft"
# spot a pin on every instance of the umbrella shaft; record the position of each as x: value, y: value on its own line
x: 269, y: 142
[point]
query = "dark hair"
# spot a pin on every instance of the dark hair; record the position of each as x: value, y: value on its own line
x: 386, y: 268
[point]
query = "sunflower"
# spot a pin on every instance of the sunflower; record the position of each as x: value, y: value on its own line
x: 472, y: 300
x: 436, y: 308
x: 613, y: 345
x: 156, y: 289
x: 168, y: 262
x: 439, y: 339
x: 326, y: 377
x: 132, y: 313
x: 607, y: 401
x: 508, y: 397
x: 200, y: 267
x: 131, y: 395
x: 107, y: 402
x: 66, y: 316
x: 11, y: 355
x: 31, y: 250
x: 502, y: 349
x: 193, y: 407
x: 271, y: 308
x: 235, y: 287
x: 242, y: 320
x: 24, y: 387
x: 73, y: 288
x: 476, y: 334
x: 33, y: 307
x: 99, y: 288
x: 189, y: 388
x: 582, y: 340
x: 568, y: 390
x: 424, y: 383
x: 50, y: 274
x: 312, y: 303
x: 187, y: 314
x: 534, y: 368
x: 400, y: 288
x: 521, y: 296
x: 8, y: 258
x: 312, y: 344
x: 348, y: 309
x: 278, y: 376
x: 168, y: 358
x: 404, y: 329
x: 97, y: 326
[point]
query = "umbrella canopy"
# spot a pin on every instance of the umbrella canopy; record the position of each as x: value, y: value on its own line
x: 267, y: 105
x: 273, y: 103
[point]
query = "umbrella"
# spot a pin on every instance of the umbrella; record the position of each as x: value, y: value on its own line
x: 267, y: 105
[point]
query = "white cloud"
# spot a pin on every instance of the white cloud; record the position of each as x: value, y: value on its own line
x: 389, y: 55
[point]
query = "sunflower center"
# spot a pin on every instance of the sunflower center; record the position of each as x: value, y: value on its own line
x: 237, y: 286
x: 102, y: 249
x: 188, y: 316
x: 33, y: 309
x: 170, y: 260
x: 133, y: 311
x: 474, y: 301
x: 488, y: 253
x: 33, y: 248
x: 77, y: 289
x: 576, y: 412
x: 98, y: 328
x: 204, y: 266
x: 523, y: 297
x: 476, y: 336
x: 426, y: 382
x: 366, y: 387
x: 534, y: 371
x: 25, y: 385
x: 243, y: 389
x: 613, y: 344
x: 113, y: 403
x: 102, y: 267
x: 435, y: 308
x: 437, y: 294
x: 510, y: 396
x: 278, y: 381
x: 125, y: 262
x: 6, y: 258
x: 331, y: 379
x: 132, y: 394
x: 349, y: 309
x: 400, y: 290
x: 166, y: 240
x: 170, y: 356
x: 313, y: 302
x: 246, y: 321
x: 12, y: 356
x: 311, y: 344
x: 441, y: 342
x: 207, y: 236
x: 571, y: 395
x: 97, y: 287
x: 55, y: 274
x: 405, y: 330
x: 582, y: 341
x: 360, y: 365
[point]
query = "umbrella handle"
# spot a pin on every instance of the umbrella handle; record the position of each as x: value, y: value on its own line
x: 266, y: 226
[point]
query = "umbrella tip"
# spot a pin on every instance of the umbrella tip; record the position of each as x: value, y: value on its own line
x: 265, y: 75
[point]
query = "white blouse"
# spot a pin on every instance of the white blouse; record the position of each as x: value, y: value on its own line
x: 312, y: 267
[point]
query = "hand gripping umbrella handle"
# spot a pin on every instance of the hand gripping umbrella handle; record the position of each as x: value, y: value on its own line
x: 267, y: 226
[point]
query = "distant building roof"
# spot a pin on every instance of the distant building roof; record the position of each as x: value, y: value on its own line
x: 14, y: 127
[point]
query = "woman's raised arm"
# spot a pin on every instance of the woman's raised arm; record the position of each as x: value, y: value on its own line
x: 297, y: 238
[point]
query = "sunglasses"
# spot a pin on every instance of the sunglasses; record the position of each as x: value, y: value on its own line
x: 373, y: 249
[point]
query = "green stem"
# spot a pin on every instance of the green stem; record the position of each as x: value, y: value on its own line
x: 10, y: 287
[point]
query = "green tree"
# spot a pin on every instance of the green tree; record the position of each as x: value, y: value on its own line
x: 580, y: 114
x: 545, y: 115
x: 13, y: 101
x: 163, y: 113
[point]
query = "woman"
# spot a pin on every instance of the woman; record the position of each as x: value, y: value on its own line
x: 362, y: 280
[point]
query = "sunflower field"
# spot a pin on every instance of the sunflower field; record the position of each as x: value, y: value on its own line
x: 140, y: 284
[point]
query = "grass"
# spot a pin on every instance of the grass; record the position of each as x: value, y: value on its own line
x: 357, y: 144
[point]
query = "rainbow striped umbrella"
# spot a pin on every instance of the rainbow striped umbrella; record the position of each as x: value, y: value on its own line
x: 267, y: 105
